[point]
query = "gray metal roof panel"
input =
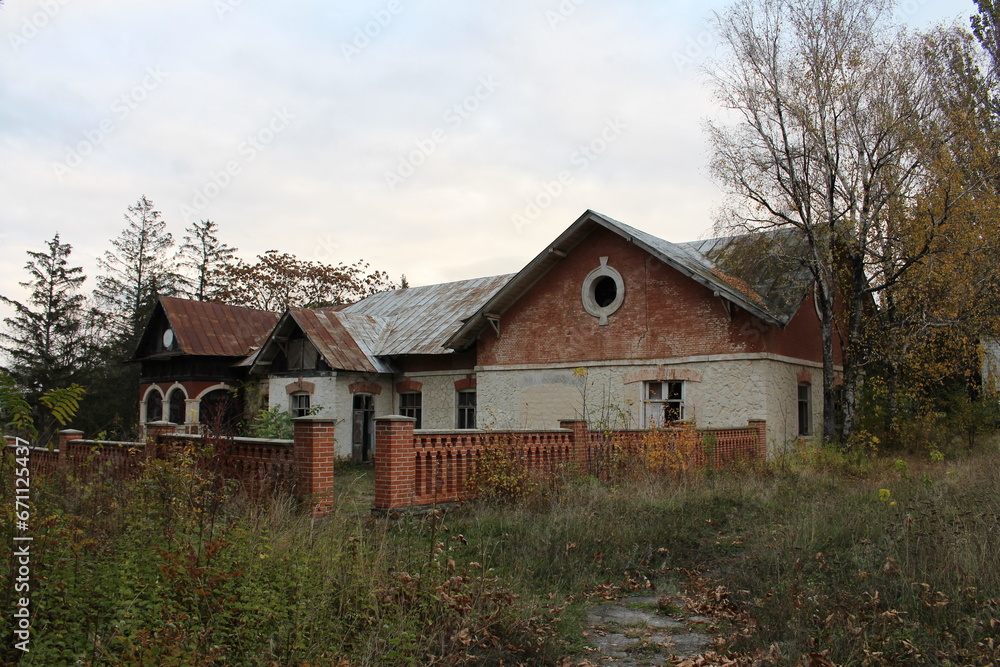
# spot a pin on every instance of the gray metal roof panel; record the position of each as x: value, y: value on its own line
x: 420, y: 320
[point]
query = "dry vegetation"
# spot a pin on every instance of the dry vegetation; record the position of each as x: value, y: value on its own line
x: 816, y: 557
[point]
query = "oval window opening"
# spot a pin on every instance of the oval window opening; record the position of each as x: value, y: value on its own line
x: 605, y: 291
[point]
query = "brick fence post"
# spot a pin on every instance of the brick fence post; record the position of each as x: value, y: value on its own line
x: 760, y: 426
x: 395, y: 464
x: 65, y: 435
x: 154, y: 436
x: 313, y: 452
x: 581, y: 443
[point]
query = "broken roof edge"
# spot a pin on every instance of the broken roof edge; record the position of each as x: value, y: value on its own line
x: 528, y: 276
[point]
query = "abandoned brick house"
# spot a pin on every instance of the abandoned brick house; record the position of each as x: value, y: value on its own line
x: 607, y: 320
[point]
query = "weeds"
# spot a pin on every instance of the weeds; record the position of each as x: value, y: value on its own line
x: 808, y: 560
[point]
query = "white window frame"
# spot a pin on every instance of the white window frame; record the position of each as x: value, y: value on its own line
x: 657, y: 395
x: 295, y: 404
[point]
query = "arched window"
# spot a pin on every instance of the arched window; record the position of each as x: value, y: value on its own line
x: 177, y: 406
x: 154, y: 406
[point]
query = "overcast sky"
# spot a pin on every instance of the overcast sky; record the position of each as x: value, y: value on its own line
x: 436, y: 138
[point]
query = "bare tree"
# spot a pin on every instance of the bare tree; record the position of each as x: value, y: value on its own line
x: 834, y: 134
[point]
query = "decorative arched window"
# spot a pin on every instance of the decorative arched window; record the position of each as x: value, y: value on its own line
x: 177, y: 404
x: 154, y: 406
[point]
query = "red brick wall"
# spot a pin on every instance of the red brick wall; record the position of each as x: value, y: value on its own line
x: 664, y: 314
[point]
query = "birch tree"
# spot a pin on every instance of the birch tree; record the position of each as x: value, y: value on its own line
x: 831, y: 130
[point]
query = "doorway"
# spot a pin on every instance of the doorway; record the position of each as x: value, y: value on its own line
x: 363, y: 430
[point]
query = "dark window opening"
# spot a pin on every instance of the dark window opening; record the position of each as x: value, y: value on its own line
x: 605, y: 291
x: 363, y: 431
x: 177, y: 406
x: 154, y: 407
x: 466, y: 409
x: 805, y: 409
x: 410, y: 406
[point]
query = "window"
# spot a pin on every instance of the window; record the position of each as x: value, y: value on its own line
x: 409, y: 406
x: 177, y: 404
x: 299, y: 404
x: 154, y: 407
x: 805, y: 409
x: 664, y: 402
x: 302, y: 356
x: 466, y: 409
x: 363, y: 429
x: 603, y: 292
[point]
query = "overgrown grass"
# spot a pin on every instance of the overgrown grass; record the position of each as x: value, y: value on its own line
x: 877, y: 561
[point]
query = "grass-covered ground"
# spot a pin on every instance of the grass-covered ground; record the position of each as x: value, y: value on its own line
x: 811, y: 558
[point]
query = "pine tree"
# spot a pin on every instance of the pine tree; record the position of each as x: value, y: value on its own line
x: 203, y: 255
x: 139, y: 268
x: 44, y: 339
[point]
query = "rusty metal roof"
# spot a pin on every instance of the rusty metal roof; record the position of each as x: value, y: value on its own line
x: 418, y: 320
x: 336, y: 342
x: 203, y: 328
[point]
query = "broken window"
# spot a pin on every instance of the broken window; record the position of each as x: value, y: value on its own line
x: 664, y: 402
x: 300, y: 404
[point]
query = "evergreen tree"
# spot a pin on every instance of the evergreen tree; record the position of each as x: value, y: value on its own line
x: 203, y: 255
x: 44, y: 339
x: 139, y: 268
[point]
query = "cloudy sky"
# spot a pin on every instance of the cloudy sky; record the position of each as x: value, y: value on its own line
x: 435, y: 138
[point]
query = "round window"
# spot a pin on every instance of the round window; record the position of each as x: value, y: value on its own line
x: 603, y: 291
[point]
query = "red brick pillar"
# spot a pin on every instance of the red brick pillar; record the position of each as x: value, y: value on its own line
x: 154, y: 436
x: 395, y: 462
x: 314, y: 451
x: 761, y: 427
x: 581, y: 443
x: 65, y: 435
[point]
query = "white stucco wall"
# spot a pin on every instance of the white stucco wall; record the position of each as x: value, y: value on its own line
x: 726, y: 393
x: 439, y: 401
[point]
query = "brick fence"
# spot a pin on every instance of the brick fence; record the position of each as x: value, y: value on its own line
x: 303, y: 465
x: 417, y: 468
x: 412, y: 468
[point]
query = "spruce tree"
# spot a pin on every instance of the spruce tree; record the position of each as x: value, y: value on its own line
x: 44, y: 340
